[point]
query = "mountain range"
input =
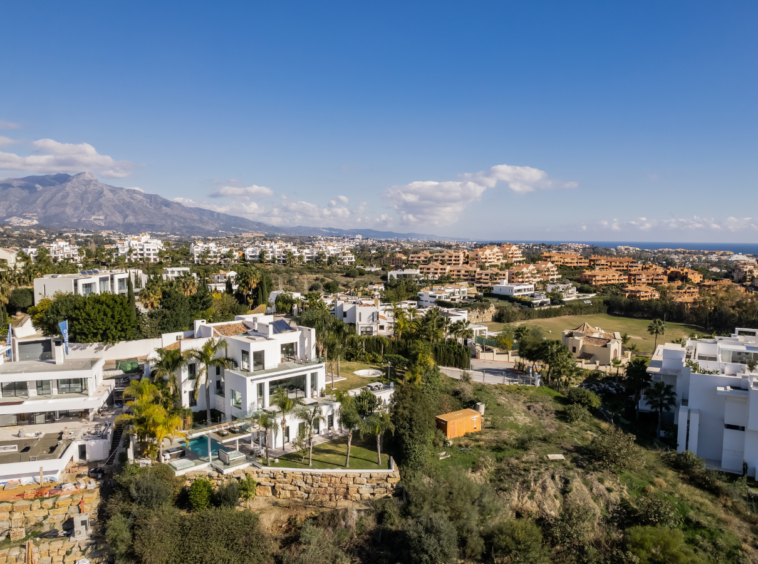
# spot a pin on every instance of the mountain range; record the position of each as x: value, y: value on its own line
x: 82, y: 201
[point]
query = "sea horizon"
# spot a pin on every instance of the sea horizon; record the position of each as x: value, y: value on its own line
x: 736, y: 248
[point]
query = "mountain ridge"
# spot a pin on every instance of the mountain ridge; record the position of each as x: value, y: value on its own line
x: 82, y: 201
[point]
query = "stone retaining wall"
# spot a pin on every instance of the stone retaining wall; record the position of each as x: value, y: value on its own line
x: 481, y: 315
x: 313, y: 485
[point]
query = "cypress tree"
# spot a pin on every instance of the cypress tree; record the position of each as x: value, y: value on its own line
x: 132, y: 304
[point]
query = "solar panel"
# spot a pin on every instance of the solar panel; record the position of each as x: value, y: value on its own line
x: 281, y: 326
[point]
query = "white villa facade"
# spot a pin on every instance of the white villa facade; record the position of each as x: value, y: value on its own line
x: 140, y: 248
x: 716, y: 397
x: 87, y: 282
x: 58, y: 249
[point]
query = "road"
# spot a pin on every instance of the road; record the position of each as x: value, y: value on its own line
x: 489, y: 372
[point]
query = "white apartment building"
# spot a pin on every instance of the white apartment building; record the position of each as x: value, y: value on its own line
x: 198, y: 250
x: 406, y: 273
x: 174, y: 272
x: 369, y: 316
x: 278, y: 252
x: 58, y: 249
x: 565, y: 289
x: 87, y: 282
x: 140, y: 247
x: 716, y: 397
x: 48, y: 406
x: 451, y: 293
x: 515, y: 290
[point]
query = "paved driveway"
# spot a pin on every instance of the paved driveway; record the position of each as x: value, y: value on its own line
x: 490, y: 372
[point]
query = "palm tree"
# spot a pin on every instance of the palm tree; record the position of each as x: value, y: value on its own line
x: 268, y: 424
x: 349, y: 419
x: 312, y: 418
x: 187, y: 284
x: 171, y: 362
x: 659, y: 397
x: 286, y: 404
x: 656, y: 327
x: 616, y: 362
x: 624, y: 338
x: 166, y: 426
x: 247, y: 281
x: 377, y: 424
x: 207, y: 358
x: 150, y: 297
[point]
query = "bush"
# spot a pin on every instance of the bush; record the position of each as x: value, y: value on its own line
x: 659, y: 545
x: 576, y: 413
x: 397, y: 361
x: 432, y: 540
x: 119, y: 535
x: 248, y: 488
x: 519, y: 540
x: 315, y: 287
x: 20, y: 299
x: 200, y: 494
x: 615, y: 450
x: 227, y: 495
x: 149, y: 491
x: 656, y: 511
x: 583, y: 397
x: 317, y: 546
x: 331, y: 287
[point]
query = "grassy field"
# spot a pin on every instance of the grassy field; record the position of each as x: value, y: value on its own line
x: 331, y: 456
x: 352, y: 381
x: 635, y: 328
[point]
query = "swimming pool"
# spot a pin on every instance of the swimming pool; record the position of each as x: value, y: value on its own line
x: 199, y: 446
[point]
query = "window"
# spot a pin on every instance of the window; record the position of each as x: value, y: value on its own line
x: 104, y: 285
x: 72, y: 386
x: 15, y: 389
x: 289, y: 351
x: 192, y: 371
x: 246, y: 360
x: 258, y: 360
x: 236, y: 399
x: 734, y: 427
x: 573, y: 349
x: 295, y: 386
x: 122, y: 284
x: 314, y: 382
x: 220, y: 386
x: 286, y: 435
x: 344, y: 314
x: 367, y: 330
x: 192, y: 400
x: 44, y: 388
x: 330, y: 422
x: 218, y: 371
x: 87, y: 289
x: 260, y: 391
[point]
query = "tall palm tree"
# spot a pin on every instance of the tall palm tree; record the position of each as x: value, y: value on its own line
x: 268, y: 424
x: 312, y: 417
x: 350, y: 421
x: 377, y: 424
x: 616, y: 362
x: 150, y: 297
x: 656, y: 327
x: 286, y: 404
x: 170, y: 362
x: 207, y: 357
x: 187, y: 284
x: 660, y: 396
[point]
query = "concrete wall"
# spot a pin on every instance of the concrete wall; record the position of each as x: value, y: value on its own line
x: 119, y: 351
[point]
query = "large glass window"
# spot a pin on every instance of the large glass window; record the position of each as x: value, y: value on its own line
x: 367, y: 330
x: 192, y: 371
x: 44, y: 388
x: 246, y: 361
x: 15, y: 389
x: 289, y: 351
x: 87, y: 289
x: 261, y: 390
x: 105, y: 285
x: 192, y: 400
x: 314, y: 382
x: 122, y: 284
x: 219, y: 385
x: 72, y: 386
x: 258, y: 360
x: 295, y: 386
x: 236, y: 399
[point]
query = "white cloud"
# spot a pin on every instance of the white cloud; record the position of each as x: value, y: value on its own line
x: 237, y: 208
x: 242, y: 192
x: 55, y: 157
x: 9, y: 125
x: 440, y: 203
x: 695, y: 223
x: 6, y: 141
x: 343, y: 199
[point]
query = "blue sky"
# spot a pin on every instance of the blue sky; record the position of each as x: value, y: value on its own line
x: 502, y: 120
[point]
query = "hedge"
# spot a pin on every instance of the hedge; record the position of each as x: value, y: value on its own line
x: 448, y: 353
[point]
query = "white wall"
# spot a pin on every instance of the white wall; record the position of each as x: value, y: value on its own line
x: 119, y: 351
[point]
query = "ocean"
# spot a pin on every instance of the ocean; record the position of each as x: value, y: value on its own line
x: 737, y: 248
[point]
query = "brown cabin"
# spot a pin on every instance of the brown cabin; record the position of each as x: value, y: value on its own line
x: 458, y: 423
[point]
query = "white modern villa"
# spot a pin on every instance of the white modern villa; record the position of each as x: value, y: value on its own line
x: 716, y: 397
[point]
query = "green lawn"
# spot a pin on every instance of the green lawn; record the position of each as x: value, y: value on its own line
x: 635, y: 328
x: 347, y: 370
x: 331, y: 456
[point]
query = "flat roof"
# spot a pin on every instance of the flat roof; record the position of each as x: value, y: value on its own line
x: 283, y: 367
x: 459, y: 415
x: 46, y: 447
x: 32, y: 366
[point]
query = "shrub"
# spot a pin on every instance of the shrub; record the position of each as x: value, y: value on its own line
x: 331, y: 287
x: 432, y: 540
x: 614, y: 450
x: 656, y: 511
x: 21, y: 299
x: 227, y: 495
x: 317, y: 546
x: 685, y: 461
x: 586, y: 398
x: 149, y: 491
x: 248, y: 488
x: 398, y: 361
x: 659, y: 545
x: 315, y: 287
x: 200, y: 494
x: 576, y: 413
x: 519, y: 540
x: 119, y: 535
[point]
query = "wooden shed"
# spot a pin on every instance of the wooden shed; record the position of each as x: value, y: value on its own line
x: 458, y: 423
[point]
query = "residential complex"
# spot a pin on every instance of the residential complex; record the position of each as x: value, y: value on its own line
x: 207, y: 252
x: 141, y: 248
x: 58, y: 249
x: 320, y: 251
x: 87, y: 282
x: 449, y: 293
